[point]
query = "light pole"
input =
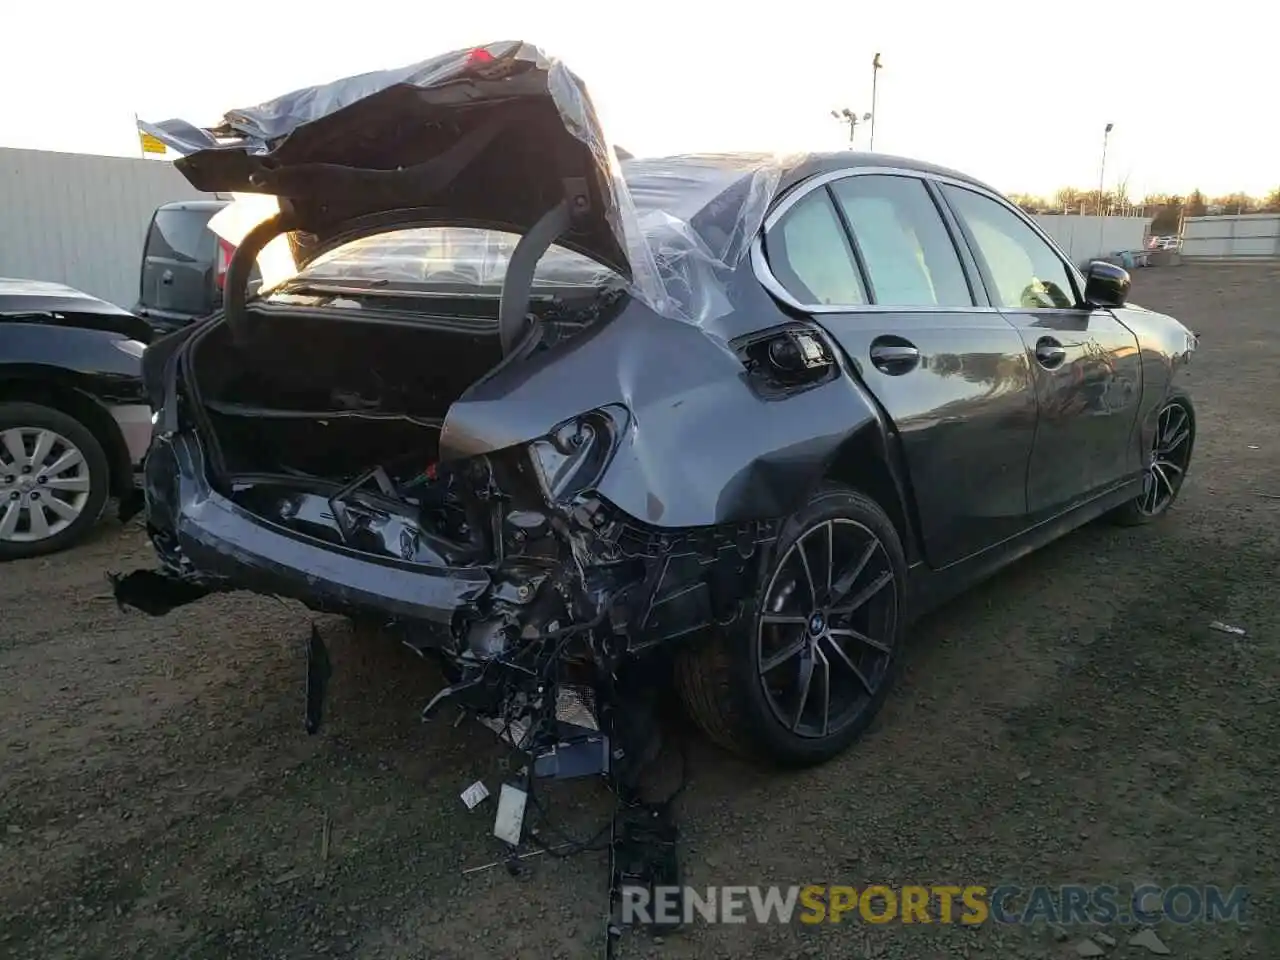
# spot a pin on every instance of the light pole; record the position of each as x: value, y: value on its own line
x: 1102, y: 169
x: 1102, y: 179
x: 846, y: 115
x: 875, y: 73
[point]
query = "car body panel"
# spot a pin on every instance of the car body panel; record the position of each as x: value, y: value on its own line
x: 229, y: 548
x: 1087, y: 407
x: 965, y: 416
x: 701, y: 448
x: 53, y: 337
x: 107, y: 366
x: 1165, y: 347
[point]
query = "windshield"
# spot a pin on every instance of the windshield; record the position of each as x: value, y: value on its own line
x: 448, y: 255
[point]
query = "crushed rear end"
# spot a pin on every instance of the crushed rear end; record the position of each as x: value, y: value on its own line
x: 438, y: 461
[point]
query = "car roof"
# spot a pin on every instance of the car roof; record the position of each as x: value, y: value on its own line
x: 812, y: 164
x: 690, y: 186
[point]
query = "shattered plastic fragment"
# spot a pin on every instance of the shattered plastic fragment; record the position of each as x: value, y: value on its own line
x: 1227, y: 628
x: 475, y: 794
x: 509, y: 822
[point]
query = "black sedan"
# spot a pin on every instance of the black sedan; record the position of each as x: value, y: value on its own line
x: 556, y: 419
x: 74, y: 423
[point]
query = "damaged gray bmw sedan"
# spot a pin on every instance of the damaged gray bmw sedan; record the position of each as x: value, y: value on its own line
x: 567, y: 422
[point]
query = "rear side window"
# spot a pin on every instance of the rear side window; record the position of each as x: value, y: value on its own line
x: 810, y: 255
x: 908, y: 253
x: 181, y: 235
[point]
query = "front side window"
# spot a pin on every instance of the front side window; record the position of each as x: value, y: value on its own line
x: 908, y: 253
x: 1027, y: 273
x: 810, y: 255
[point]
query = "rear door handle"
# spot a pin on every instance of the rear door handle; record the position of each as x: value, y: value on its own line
x: 895, y: 358
x: 1050, y: 353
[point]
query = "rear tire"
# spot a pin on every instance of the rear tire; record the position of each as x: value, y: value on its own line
x: 54, y: 480
x: 837, y: 635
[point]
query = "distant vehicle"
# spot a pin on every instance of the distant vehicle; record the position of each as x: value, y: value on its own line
x: 74, y: 421
x: 1164, y: 243
x: 184, y: 265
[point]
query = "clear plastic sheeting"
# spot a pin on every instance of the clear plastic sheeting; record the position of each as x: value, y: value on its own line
x: 671, y: 226
x: 697, y: 215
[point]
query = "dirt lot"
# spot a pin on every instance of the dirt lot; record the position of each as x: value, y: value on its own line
x: 1075, y: 720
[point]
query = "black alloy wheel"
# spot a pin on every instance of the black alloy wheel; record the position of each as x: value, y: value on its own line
x: 1168, y: 460
x: 800, y: 678
x: 824, y: 639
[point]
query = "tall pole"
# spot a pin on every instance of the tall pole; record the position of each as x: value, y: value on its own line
x: 1102, y: 169
x: 875, y: 73
x: 1102, y: 179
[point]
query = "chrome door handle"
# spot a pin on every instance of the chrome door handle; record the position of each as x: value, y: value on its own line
x: 894, y: 358
x: 1050, y: 353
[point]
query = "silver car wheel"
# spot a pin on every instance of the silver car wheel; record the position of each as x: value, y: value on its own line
x: 44, y: 484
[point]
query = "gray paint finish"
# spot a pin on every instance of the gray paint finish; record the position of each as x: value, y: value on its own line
x: 80, y: 219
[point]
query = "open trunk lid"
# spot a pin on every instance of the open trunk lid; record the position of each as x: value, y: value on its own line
x: 498, y: 136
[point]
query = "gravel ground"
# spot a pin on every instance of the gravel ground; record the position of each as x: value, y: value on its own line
x: 1074, y: 720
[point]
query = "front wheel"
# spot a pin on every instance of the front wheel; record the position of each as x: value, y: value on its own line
x: 1167, y: 464
x: 801, y: 678
x: 53, y: 480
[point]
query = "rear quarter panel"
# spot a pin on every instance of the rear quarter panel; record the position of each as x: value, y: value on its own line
x: 701, y: 447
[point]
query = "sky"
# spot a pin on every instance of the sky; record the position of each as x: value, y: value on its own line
x: 1017, y: 94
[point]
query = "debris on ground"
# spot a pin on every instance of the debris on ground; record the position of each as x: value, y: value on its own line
x: 1227, y: 628
x: 1105, y: 939
x: 1146, y: 937
x: 474, y: 794
x: 1087, y: 948
x: 508, y: 823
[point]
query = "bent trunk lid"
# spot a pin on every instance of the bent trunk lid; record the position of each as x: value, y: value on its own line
x: 499, y: 134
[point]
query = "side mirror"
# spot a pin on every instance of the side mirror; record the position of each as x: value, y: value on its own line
x: 1106, y: 285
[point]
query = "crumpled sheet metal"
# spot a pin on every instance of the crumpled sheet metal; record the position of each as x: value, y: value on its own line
x: 660, y: 218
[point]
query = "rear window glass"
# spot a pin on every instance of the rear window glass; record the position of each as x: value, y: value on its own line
x: 181, y: 235
x: 463, y: 256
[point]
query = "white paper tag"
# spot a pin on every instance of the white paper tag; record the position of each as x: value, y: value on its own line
x: 474, y: 794
x: 509, y: 822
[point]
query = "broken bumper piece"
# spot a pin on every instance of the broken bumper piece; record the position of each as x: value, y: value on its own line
x: 208, y: 544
